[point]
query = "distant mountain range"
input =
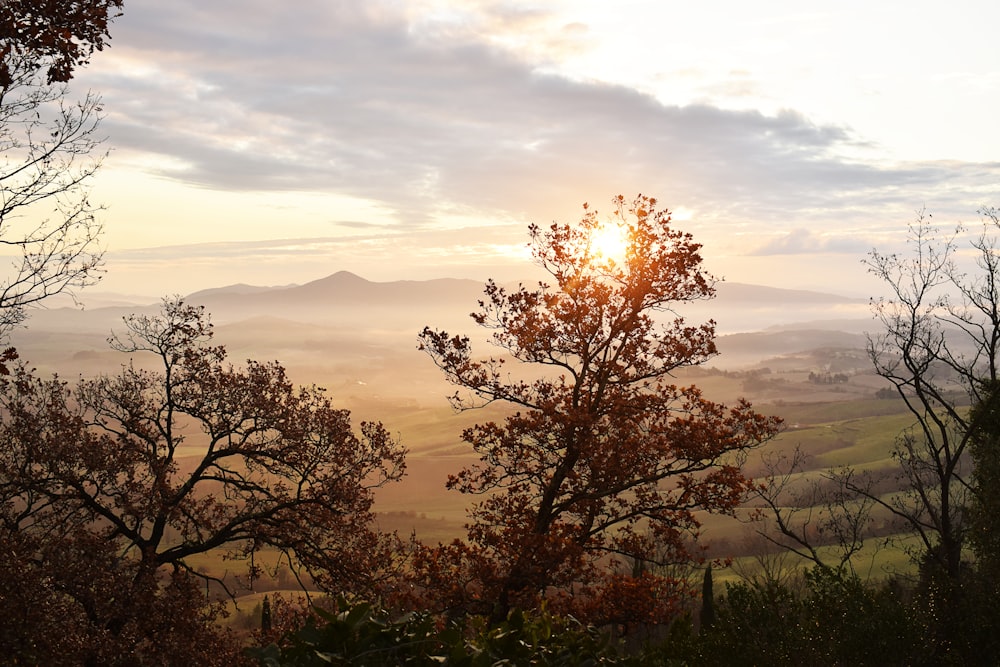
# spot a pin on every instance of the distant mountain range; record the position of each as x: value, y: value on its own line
x: 752, y: 320
x: 342, y: 287
x: 347, y: 284
x: 778, y: 306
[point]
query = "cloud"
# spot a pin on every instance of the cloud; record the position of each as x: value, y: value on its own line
x: 805, y: 242
x: 366, y: 100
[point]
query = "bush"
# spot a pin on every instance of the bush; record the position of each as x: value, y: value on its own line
x: 362, y: 635
x: 835, y: 620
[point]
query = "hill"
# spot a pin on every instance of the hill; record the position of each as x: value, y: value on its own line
x: 754, y: 322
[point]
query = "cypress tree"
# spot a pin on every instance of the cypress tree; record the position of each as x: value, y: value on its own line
x: 265, y: 616
x: 707, y: 617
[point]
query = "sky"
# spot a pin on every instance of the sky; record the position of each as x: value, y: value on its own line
x: 277, y: 143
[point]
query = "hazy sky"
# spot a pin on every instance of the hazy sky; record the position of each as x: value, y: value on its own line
x: 272, y: 143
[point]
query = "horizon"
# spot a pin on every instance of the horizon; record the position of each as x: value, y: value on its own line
x: 97, y: 293
x: 445, y: 301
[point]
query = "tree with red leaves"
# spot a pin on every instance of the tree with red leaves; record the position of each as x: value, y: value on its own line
x: 110, y: 489
x: 604, y: 457
x: 54, y: 35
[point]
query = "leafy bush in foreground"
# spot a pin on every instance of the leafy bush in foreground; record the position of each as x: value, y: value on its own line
x: 836, y: 620
x: 360, y: 634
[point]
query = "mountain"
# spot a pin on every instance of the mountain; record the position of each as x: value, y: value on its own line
x: 239, y: 288
x: 342, y: 297
x: 344, y: 287
x: 759, y: 294
x: 348, y: 301
x: 341, y: 316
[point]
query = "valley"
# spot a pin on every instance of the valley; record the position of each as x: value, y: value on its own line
x: 358, y: 339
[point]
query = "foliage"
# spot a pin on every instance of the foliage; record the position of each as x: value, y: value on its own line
x: 971, y: 632
x: 959, y: 617
x: 984, y: 508
x: 356, y: 634
x: 136, y: 473
x: 361, y: 634
x: 54, y: 35
x: 605, y: 456
x: 835, y: 620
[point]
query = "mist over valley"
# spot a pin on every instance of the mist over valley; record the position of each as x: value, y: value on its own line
x: 358, y: 339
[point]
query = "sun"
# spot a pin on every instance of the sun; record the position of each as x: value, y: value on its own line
x: 610, y: 242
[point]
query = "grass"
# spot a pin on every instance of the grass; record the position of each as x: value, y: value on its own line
x: 863, y: 442
x: 835, y: 411
x: 879, y: 560
x: 871, y: 440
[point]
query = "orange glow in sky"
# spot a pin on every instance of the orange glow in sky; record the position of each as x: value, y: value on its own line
x: 418, y: 139
x: 610, y: 242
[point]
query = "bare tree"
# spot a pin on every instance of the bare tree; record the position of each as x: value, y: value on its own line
x: 938, y: 348
x: 822, y: 516
x: 49, y: 149
x: 765, y: 565
x: 49, y: 232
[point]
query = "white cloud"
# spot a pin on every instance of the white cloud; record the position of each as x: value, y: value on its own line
x: 805, y: 242
x: 251, y: 96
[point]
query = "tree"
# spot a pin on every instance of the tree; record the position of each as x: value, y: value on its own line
x: 54, y: 35
x: 984, y: 508
x: 136, y: 474
x: 939, y: 350
x: 265, y: 616
x: 825, y: 518
x: 981, y: 616
x: 48, y: 225
x: 707, y: 616
x: 604, y: 456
